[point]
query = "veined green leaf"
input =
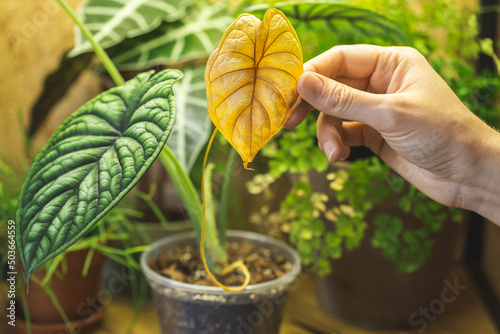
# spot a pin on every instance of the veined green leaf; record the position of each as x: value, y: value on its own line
x: 193, y: 37
x: 95, y: 157
x: 192, y: 123
x: 111, y: 21
x: 338, y: 16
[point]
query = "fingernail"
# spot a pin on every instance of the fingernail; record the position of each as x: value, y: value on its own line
x: 290, y: 122
x: 312, y: 86
x: 329, y: 150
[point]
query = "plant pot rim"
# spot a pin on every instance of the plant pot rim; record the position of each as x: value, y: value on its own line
x: 79, y: 324
x: 284, y: 280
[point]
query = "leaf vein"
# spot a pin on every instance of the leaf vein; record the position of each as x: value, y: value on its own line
x: 230, y: 94
x: 233, y: 71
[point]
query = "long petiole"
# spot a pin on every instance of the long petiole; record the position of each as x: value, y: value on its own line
x: 99, y: 51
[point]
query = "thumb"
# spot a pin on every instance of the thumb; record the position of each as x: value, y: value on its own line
x: 339, y: 100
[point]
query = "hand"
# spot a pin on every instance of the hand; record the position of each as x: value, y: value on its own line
x: 392, y: 101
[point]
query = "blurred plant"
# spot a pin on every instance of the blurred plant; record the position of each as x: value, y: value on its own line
x: 321, y: 224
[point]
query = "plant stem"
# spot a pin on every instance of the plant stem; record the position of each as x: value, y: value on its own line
x: 216, y: 248
x: 99, y: 51
x: 224, y: 198
x: 185, y: 187
x: 147, y: 198
x: 54, y: 301
x: 88, y: 261
x: 26, y: 310
x: 193, y: 205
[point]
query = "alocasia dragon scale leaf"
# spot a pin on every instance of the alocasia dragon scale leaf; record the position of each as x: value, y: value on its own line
x: 95, y: 157
x: 251, y: 80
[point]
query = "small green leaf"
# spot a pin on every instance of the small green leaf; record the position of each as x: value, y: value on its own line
x: 95, y: 157
x: 405, y: 204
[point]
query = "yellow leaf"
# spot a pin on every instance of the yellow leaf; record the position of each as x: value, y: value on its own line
x: 331, y: 216
x: 320, y: 206
x: 251, y: 80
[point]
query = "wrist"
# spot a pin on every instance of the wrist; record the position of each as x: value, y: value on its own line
x: 481, y: 191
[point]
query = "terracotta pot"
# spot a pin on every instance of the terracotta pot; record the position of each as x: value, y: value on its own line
x: 77, y: 295
x: 81, y: 325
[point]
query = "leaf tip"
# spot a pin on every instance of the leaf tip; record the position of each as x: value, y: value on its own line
x: 27, y: 278
x: 245, y: 165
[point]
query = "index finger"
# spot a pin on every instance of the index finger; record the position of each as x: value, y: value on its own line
x: 371, y: 65
x: 364, y: 67
x: 355, y: 61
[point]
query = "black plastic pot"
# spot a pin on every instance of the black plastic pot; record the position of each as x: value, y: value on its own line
x: 193, y: 309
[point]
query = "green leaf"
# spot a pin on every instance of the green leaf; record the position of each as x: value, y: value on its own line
x: 338, y: 16
x: 95, y: 157
x: 405, y: 204
x: 193, y: 37
x: 192, y: 123
x: 112, y: 21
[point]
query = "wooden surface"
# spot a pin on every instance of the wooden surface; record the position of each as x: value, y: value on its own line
x: 466, y: 314
x: 303, y: 315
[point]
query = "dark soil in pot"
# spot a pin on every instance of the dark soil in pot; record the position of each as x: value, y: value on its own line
x: 183, y: 264
x: 197, y: 308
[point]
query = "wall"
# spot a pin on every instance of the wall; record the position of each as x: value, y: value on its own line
x: 35, y: 34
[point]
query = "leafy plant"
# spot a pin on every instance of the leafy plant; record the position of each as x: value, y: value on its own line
x: 191, y: 38
x: 110, y: 22
x: 100, y: 152
x: 90, y: 163
x: 323, y: 222
x: 192, y: 124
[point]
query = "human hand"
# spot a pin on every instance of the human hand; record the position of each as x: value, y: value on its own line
x: 392, y: 101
